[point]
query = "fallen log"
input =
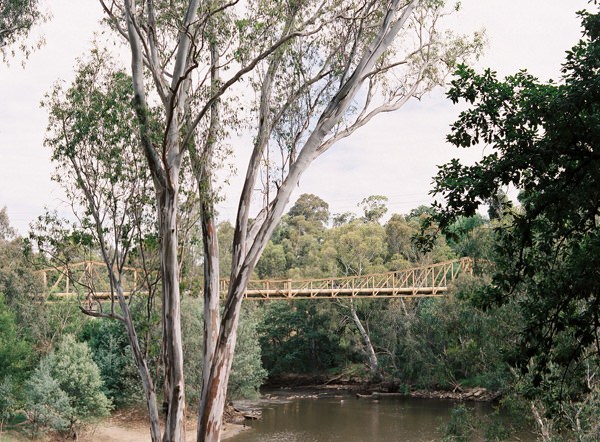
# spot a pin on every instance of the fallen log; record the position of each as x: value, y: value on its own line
x: 379, y: 395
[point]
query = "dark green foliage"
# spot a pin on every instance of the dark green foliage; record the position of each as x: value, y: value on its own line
x: 112, y: 354
x: 448, y: 344
x: 15, y: 353
x: 301, y: 337
x: 545, y: 141
x: 17, y: 18
x: 471, y: 236
x: 247, y: 372
x: 272, y: 264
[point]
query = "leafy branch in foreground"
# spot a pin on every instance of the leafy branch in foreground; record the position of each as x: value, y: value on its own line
x: 544, y: 140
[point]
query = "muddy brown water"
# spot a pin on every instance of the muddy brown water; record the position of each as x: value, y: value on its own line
x: 355, y: 420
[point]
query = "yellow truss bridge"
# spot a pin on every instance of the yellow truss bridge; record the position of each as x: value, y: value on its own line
x: 88, y: 281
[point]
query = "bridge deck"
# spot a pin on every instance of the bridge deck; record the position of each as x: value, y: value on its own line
x: 426, y: 281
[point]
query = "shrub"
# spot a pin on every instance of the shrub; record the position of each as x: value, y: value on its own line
x: 65, y: 390
x: 8, y: 403
x: 247, y: 372
x: 112, y: 354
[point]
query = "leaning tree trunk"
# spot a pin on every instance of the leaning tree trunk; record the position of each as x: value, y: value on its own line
x: 369, y: 350
x: 215, y: 392
x: 142, y: 366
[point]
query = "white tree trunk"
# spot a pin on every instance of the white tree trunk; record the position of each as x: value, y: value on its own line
x: 249, y: 243
x: 172, y: 340
x: 369, y: 350
x: 210, y: 419
x: 142, y: 366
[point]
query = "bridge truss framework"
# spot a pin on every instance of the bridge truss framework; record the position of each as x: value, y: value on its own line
x: 84, y: 280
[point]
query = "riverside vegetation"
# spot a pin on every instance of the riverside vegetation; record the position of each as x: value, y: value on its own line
x: 449, y: 344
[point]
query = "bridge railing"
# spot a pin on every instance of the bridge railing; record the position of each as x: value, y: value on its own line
x: 85, y: 278
x: 430, y: 280
x: 89, y: 279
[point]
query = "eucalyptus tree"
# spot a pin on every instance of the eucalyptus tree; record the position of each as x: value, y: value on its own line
x: 399, y: 233
x: 374, y: 208
x: 93, y: 137
x: 318, y: 71
x: 17, y: 18
x: 300, y: 235
x: 311, y: 208
x: 359, y: 248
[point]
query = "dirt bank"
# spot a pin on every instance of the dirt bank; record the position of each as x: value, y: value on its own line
x: 117, y: 432
x: 129, y: 426
x: 132, y: 426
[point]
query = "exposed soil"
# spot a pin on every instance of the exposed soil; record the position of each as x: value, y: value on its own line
x: 132, y: 426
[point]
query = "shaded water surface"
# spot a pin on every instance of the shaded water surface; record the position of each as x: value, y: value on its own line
x: 353, y: 420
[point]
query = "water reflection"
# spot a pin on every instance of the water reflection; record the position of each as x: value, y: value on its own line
x: 353, y: 420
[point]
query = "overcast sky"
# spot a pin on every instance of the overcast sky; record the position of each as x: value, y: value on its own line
x: 396, y: 155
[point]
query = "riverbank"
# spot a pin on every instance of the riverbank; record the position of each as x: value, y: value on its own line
x: 118, y: 433
x: 130, y: 425
x: 374, y: 390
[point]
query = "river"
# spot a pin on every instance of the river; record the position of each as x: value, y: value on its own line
x: 348, y: 419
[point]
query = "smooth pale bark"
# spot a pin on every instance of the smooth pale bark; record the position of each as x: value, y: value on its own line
x: 217, y: 370
x: 249, y: 239
x: 369, y: 350
x: 165, y: 168
x: 172, y: 340
x: 249, y: 243
x: 165, y: 173
x: 211, y: 250
x: 142, y: 366
x: 216, y: 388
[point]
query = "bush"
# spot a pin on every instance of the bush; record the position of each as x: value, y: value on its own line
x: 461, y: 427
x: 65, y: 390
x: 47, y: 404
x: 247, y: 372
x: 112, y: 354
x: 8, y: 402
